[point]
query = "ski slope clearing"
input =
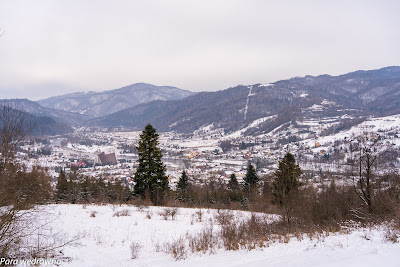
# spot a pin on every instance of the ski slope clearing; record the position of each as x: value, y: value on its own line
x: 111, y: 235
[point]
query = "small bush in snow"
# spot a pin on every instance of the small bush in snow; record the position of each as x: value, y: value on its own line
x: 124, y: 212
x: 199, y: 215
x: 148, y: 215
x: 391, y: 235
x: 142, y: 207
x: 224, y: 217
x: 135, y: 250
x: 177, y: 249
x: 169, y: 212
x: 204, y: 241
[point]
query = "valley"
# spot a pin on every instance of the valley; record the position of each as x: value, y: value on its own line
x: 339, y: 130
x: 199, y: 133
x: 209, y: 153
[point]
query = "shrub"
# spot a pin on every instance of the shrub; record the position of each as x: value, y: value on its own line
x: 199, y: 215
x: 177, y: 249
x: 124, y: 212
x: 135, y: 250
x: 224, y: 217
x: 166, y: 212
x: 204, y: 241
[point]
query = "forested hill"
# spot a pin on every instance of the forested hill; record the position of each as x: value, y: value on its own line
x: 29, y: 124
x: 352, y: 95
x: 35, y: 109
x: 95, y: 104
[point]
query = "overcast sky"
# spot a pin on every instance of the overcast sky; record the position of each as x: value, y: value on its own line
x: 53, y: 47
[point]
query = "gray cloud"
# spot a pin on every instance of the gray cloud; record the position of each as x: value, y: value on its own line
x: 52, y: 47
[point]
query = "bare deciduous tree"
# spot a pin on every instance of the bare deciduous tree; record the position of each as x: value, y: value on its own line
x: 19, y: 189
x: 364, y: 159
x: 14, y: 128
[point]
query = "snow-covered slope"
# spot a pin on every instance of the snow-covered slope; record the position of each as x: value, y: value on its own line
x: 371, y: 125
x: 105, y: 240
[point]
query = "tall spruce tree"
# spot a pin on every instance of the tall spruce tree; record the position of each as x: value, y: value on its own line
x: 182, y: 187
x: 233, y: 183
x: 150, y: 176
x: 285, y: 185
x: 183, y: 182
x: 251, y: 180
x: 62, y: 187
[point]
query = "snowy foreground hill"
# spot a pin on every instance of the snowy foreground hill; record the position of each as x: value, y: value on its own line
x: 139, y: 236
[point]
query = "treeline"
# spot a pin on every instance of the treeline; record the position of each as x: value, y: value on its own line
x: 21, y: 188
x: 300, y: 204
x: 74, y: 188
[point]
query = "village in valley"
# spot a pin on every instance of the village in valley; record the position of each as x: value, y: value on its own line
x: 208, y: 153
x: 199, y: 133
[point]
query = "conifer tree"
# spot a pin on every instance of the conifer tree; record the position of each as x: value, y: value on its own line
x: 150, y: 175
x: 183, y: 182
x: 62, y: 187
x: 286, y: 183
x: 182, y: 187
x: 233, y: 183
x: 250, y: 180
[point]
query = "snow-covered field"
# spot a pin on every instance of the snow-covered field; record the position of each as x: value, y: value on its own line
x: 105, y: 240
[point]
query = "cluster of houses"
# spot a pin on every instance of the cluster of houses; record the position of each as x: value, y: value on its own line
x: 204, y: 155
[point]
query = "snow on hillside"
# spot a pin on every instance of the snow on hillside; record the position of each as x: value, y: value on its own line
x: 379, y: 124
x: 253, y: 124
x: 105, y: 240
x: 195, y: 143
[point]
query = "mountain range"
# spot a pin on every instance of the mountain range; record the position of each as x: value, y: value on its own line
x: 257, y: 108
x: 36, y: 109
x: 94, y: 104
x: 349, y: 96
x: 77, y: 108
x: 34, y: 125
